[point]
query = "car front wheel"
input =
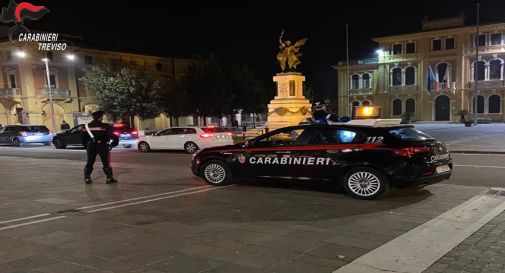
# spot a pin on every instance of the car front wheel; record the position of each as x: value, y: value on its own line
x: 191, y: 147
x: 144, y: 147
x: 59, y: 144
x: 16, y: 142
x: 366, y: 183
x: 217, y: 173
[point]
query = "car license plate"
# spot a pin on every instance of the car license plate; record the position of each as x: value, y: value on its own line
x: 125, y: 135
x: 443, y: 169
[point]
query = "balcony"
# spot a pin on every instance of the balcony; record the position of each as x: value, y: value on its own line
x: 360, y: 61
x: 403, y: 88
x: 10, y: 93
x: 58, y: 94
x: 361, y: 91
x: 443, y: 86
x: 489, y: 84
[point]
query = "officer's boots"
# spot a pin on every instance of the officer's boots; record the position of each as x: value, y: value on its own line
x: 110, y: 177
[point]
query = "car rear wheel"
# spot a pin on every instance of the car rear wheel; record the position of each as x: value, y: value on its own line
x: 47, y: 143
x: 59, y: 144
x: 366, y: 183
x: 217, y: 173
x: 191, y: 147
x: 16, y: 142
x: 144, y: 147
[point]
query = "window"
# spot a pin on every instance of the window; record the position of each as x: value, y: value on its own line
x: 366, y: 81
x: 183, y: 131
x: 52, y: 79
x: 436, y: 44
x: 165, y: 132
x: 409, y: 133
x: 495, y: 70
x: 366, y: 103
x: 397, y: 49
x: 449, y: 43
x: 334, y: 136
x: 396, y: 76
x: 480, y: 104
x: 286, y: 137
x: 410, y: 105
x: 12, y: 80
x: 355, y: 82
x: 480, y: 40
x: 50, y: 55
x: 495, y: 38
x: 8, y: 55
x: 159, y: 67
x: 410, y: 75
x: 292, y: 88
x: 494, y: 104
x: 410, y: 47
x: 88, y: 60
x: 443, y: 72
x: 479, y: 70
x: 397, y: 107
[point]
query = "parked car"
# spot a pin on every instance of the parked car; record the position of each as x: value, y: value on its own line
x: 127, y: 136
x: 70, y: 137
x: 190, y: 139
x: 365, y: 157
x: 19, y: 134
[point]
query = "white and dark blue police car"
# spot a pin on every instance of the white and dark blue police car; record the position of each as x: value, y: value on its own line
x: 366, y: 157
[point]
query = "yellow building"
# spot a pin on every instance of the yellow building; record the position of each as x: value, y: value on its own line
x: 24, y: 96
x: 398, y: 78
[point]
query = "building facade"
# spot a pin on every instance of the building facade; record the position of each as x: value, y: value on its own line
x: 431, y: 73
x: 24, y: 92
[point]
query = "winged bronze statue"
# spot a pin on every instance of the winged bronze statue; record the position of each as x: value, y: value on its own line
x: 289, y: 53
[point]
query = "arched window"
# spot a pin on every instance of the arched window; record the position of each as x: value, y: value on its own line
x: 495, y: 69
x: 397, y: 107
x: 443, y: 72
x: 396, y: 75
x: 355, y: 82
x: 480, y: 104
x: 366, y: 103
x: 410, y: 105
x: 479, y: 70
x: 494, y: 104
x: 410, y: 75
x: 365, y: 81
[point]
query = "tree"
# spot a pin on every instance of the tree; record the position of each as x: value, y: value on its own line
x: 249, y: 93
x: 124, y: 90
x: 174, y: 100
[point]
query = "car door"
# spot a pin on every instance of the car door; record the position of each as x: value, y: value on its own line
x: 73, y: 136
x: 183, y: 135
x: 274, y: 155
x: 3, y: 133
x: 161, y: 139
x: 333, y: 148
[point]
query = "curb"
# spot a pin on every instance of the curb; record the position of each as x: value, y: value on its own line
x: 477, y: 152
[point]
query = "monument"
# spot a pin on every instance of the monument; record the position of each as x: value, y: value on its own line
x: 289, y: 106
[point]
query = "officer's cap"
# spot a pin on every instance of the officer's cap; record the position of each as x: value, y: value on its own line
x: 97, y: 114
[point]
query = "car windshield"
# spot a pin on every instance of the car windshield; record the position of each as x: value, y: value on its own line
x: 213, y: 130
x: 409, y: 133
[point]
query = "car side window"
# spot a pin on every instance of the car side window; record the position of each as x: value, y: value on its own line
x: 334, y: 136
x: 165, y: 132
x: 190, y: 131
x: 76, y: 129
x: 288, y: 137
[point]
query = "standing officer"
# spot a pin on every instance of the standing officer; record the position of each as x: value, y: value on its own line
x: 96, y: 137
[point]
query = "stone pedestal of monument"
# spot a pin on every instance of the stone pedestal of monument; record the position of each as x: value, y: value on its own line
x: 289, y: 107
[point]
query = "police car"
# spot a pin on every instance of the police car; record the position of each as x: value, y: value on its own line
x: 365, y: 157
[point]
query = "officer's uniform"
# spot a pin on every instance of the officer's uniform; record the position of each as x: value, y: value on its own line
x: 99, y: 144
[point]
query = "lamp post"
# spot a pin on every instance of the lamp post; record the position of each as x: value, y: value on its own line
x: 476, y: 71
x: 50, y: 92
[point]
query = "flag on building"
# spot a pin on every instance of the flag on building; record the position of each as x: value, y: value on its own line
x: 431, y: 81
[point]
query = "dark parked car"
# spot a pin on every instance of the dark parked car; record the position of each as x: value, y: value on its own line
x: 365, y: 158
x: 127, y: 136
x: 19, y: 134
x: 70, y: 137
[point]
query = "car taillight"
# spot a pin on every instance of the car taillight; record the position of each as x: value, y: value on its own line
x: 230, y: 133
x: 410, y: 151
x: 205, y: 135
x: 116, y: 133
x: 23, y: 133
x: 135, y: 133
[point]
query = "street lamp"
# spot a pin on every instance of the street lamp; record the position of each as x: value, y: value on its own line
x: 380, y: 52
x: 70, y: 57
x: 49, y: 91
x: 20, y: 54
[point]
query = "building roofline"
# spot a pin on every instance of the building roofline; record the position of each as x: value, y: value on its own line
x: 440, y: 30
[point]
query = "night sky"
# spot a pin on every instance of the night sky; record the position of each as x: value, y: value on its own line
x: 248, y: 31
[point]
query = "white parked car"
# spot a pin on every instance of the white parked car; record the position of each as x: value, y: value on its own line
x: 190, y: 139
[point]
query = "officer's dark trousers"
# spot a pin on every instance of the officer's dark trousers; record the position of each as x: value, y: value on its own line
x: 102, y: 150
